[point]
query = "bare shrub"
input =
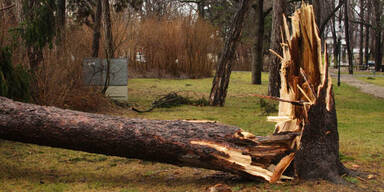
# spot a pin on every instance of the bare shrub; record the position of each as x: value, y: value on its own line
x: 181, y: 47
x: 59, y: 80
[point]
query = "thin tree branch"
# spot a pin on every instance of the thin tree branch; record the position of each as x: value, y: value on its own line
x: 267, y: 12
x: 298, y: 103
x: 363, y: 23
x: 324, y: 23
x: 6, y: 8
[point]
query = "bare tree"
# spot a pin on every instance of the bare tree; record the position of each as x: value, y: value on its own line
x: 324, y: 12
x: 258, y: 48
x: 60, y: 17
x: 274, y: 66
x: 367, y: 32
x: 361, y: 39
x: 108, y: 41
x: 348, y: 37
x: 224, y: 68
x: 378, y: 10
x: 96, y: 29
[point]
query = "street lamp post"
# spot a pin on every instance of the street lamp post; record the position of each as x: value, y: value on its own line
x: 339, y: 55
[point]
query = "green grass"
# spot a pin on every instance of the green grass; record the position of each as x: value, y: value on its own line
x: 374, y: 80
x: 25, y: 167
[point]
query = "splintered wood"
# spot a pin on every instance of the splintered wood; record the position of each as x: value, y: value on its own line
x: 303, y: 77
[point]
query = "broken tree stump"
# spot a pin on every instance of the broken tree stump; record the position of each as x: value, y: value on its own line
x: 305, y: 79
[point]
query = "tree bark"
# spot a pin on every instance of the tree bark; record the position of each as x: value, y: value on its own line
x: 108, y: 42
x: 203, y: 145
x: 336, y: 50
x: 348, y: 37
x: 35, y: 54
x: 224, y: 68
x: 361, y: 44
x: 201, y: 9
x: 258, y: 47
x: 367, y: 32
x: 60, y: 18
x: 274, y: 66
x: 330, y: 14
x: 96, y: 30
x: 318, y: 6
x: 378, y: 32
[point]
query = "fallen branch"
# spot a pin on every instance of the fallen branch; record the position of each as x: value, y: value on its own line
x: 170, y: 100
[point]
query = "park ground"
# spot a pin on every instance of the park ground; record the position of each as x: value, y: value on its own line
x: 26, y: 167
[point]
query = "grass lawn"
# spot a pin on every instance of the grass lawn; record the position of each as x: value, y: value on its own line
x: 25, y: 167
x: 374, y: 80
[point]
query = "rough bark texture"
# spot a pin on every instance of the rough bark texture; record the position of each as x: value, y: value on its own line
x: 204, y: 145
x: 367, y: 32
x: 335, y: 45
x: 378, y: 30
x: 108, y: 42
x: 60, y: 19
x: 326, y: 17
x: 96, y: 30
x: 274, y: 66
x: 258, y: 48
x: 361, y: 39
x: 35, y: 54
x: 318, y: 6
x: 348, y: 37
x: 224, y: 68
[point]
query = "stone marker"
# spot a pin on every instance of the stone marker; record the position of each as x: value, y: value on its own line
x: 94, y: 74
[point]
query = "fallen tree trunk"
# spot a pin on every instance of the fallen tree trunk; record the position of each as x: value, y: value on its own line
x: 204, y: 145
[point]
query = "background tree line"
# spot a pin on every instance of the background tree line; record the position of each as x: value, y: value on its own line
x: 47, y: 39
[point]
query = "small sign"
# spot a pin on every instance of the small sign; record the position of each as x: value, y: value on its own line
x: 95, y: 72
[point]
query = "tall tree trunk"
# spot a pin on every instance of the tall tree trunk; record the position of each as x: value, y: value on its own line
x: 367, y: 32
x: 201, y: 9
x: 361, y: 45
x: 60, y: 18
x: 275, y: 63
x: 35, y: 54
x: 348, y: 37
x: 96, y: 29
x: 258, y: 47
x: 336, y: 50
x: 19, y: 10
x: 224, y: 68
x: 378, y: 30
x: 108, y: 42
x: 318, y: 6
